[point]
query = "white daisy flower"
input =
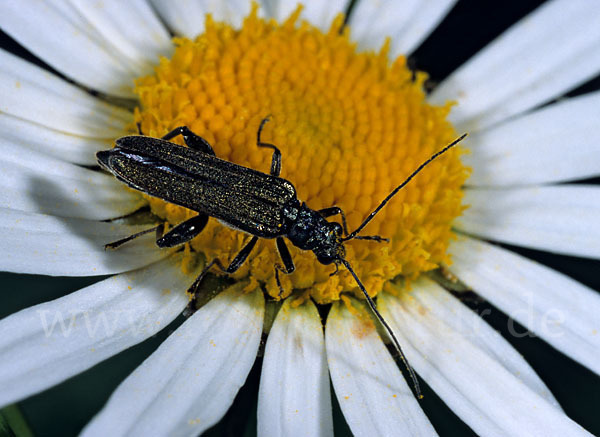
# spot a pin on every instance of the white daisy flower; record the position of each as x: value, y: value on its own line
x: 351, y: 125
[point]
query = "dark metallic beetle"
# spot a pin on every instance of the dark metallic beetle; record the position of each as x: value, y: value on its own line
x: 260, y: 204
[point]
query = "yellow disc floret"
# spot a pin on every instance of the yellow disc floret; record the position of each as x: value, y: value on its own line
x: 350, y: 126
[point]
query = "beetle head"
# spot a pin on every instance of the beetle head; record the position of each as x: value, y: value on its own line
x: 332, y: 249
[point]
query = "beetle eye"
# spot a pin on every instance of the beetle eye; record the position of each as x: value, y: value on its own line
x: 336, y: 229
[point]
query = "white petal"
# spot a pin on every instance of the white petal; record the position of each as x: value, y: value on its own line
x: 66, y: 147
x: 425, y: 19
x: 560, y: 310
x: 188, y: 384
x: 47, y: 245
x: 294, y: 397
x: 53, y: 341
x: 406, y: 22
x: 444, y: 307
x: 557, y: 143
x: 58, y: 34
x: 562, y: 219
x: 186, y: 17
x: 36, y: 183
x: 370, y: 389
x: 33, y: 94
x: 482, y: 391
x: 541, y: 57
x: 372, y: 21
x: 131, y: 28
x: 320, y: 13
x: 230, y: 11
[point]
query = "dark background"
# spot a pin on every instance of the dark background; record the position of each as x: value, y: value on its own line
x: 66, y: 408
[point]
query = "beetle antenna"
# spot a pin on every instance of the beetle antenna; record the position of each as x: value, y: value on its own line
x: 371, y: 303
x: 399, y: 187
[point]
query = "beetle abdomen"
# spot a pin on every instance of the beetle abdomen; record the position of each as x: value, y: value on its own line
x: 239, y: 196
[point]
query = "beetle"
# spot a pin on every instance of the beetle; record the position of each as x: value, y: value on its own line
x: 260, y: 204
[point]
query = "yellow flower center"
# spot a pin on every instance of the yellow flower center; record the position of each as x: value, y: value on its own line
x: 350, y: 126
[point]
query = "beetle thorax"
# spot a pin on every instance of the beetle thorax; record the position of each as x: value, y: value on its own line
x: 308, y: 230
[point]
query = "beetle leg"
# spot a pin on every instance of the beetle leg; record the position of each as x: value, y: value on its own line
x: 193, y: 290
x: 335, y: 210
x: 180, y: 234
x: 232, y: 268
x: 235, y: 264
x: 183, y: 232
x: 278, y: 268
x: 241, y: 256
x: 115, y: 244
x: 337, y: 270
x: 288, y: 262
x: 192, y: 140
x: 284, y: 253
x: 376, y: 238
x: 276, y: 160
